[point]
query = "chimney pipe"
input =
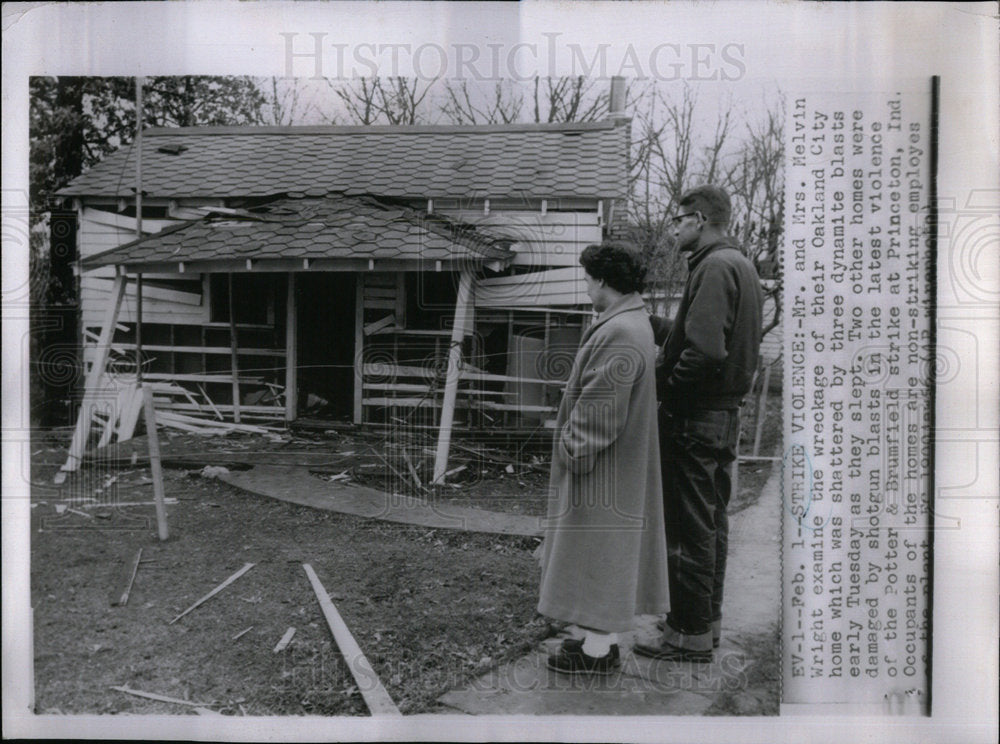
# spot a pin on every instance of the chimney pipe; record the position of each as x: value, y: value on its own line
x: 616, y: 105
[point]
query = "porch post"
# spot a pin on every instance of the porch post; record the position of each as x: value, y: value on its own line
x: 291, y: 352
x: 233, y: 355
x: 359, y: 341
x: 463, y: 323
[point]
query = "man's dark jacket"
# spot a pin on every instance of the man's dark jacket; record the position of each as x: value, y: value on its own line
x: 711, y: 353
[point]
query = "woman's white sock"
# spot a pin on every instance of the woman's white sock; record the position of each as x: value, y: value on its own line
x: 598, y: 644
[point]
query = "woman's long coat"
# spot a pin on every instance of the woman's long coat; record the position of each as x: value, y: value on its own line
x: 604, y: 556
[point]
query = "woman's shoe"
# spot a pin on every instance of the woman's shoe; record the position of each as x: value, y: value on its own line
x: 570, y: 659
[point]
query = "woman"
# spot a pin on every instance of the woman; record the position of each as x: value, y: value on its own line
x: 604, y: 555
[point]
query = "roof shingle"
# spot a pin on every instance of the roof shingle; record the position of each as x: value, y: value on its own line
x: 331, y: 226
x: 513, y: 161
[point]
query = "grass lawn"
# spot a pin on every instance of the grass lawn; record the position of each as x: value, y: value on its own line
x: 430, y: 609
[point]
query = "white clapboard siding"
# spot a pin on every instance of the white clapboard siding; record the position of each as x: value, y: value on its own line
x: 550, y: 288
x: 93, y: 283
x: 94, y: 298
x: 101, y: 231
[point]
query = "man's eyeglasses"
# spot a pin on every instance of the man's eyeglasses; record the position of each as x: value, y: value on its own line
x: 674, y: 221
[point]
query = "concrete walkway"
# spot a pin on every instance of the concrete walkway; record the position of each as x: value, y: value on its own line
x: 297, y: 486
x: 645, y: 686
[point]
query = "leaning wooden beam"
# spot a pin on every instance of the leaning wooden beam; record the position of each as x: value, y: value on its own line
x: 291, y: 352
x: 378, y: 325
x: 215, y: 591
x: 463, y: 318
x: 82, y: 431
x: 130, y: 416
x: 376, y: 697
x: 233, y: 354
x: 155, y: 466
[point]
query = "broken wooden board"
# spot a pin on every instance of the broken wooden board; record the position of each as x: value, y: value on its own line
x: 297, y: 486
x: 120, y: 598
x: 376, y: 697
x: 161, y: 698
x: 219, y: 588
x: 285, y: 640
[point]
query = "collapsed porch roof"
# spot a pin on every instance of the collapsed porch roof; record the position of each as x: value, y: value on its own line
x: 293, y: 231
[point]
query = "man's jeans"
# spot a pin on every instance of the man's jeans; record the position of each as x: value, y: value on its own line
x: 697, y: 453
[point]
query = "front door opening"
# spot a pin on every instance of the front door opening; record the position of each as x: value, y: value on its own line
x: 325, y: 306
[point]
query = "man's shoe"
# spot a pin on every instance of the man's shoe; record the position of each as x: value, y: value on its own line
x: 666, y: 651
x: 570, y: 659
x: 661, y: 625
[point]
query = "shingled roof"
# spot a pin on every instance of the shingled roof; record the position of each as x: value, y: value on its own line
x: 541, y: 161
x: 333, y: 226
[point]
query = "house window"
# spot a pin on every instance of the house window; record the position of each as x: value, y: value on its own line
x: 253, y: 298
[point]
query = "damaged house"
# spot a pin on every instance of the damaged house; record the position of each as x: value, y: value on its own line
x: 420, y: 276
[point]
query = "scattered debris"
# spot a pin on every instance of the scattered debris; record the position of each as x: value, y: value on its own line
x: 161, y: 698
x: 242, y: 633
x: 314, y: 401
x: 453, y: 471
x: 122, y: 599
x: 285, y: 640
x: 213, y: 471
x: 215, y: 591
x: 116, y: 504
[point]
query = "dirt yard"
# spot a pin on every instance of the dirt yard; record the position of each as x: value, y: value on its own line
x: 431, y: 609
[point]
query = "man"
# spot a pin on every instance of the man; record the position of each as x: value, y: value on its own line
x: 707, y: 366
x: 604, y: 558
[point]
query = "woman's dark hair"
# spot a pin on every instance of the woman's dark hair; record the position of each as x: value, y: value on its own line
x: 619, y: 264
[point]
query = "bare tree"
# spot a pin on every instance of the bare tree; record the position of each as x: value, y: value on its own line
x: 464, y: 106
x: 391, y: 100
x: 757, y: 184
x: 566, y: 99
x: 284, y: 102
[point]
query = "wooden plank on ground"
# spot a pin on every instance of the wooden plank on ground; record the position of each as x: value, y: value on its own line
x: 161, y: 698
x: 242, y: 633
x: 219, y: 588
x: 285, y: 640
x: 376, y: 697
x: 120, y: 599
